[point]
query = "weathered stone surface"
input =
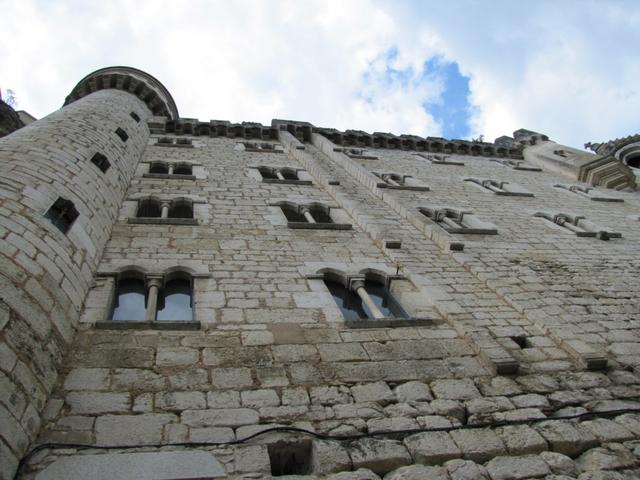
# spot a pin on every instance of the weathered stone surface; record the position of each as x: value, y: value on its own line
x: 391, y: 424
x: 380, y: 456
x: 455, y: 389
x: 329, y: 457
x: 560, y: 464
x: 517, y: 468
x: 413, y: 392
x: 229, y: 417
x: 259, y: 398
x: 378, y: 392
x: 609, y: 457
x: 566, y: 438
x: 87, y: 379
x: 211, y: 435
x: 522, y: 440
x: 252, y: 458
x: 95, y: 402
x: 417, y: 472
x: 359, y: 474
x: 135, y: 466
x: 607, y: 430
x: 180, y: 400
x: 432, y: 448
x: 145, y: 429
x: 479, y: 445
x: 465, y: 470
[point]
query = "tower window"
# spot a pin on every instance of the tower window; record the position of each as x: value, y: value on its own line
x: 163, y: 298
x: 62, y: 214
x: 634, y: 162
x: 182, y: 169
x: 149, y: 208
x: 129, y: 301
x: 101, y: 162
x: 180, y: 209
x: 135, y: 116
x: 159, y: 168
x: 122, y: 134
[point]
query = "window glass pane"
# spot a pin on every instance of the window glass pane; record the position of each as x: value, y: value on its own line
x: 174, y: 302
x: 384, y: 300
x: 182, y: 169
x: 320, y: 215
x: 149, y: 208
x: 289, y: 174
x: 129, y: 302
x: 267, y: 173
x: 349, y: 302
x: 158, y: 168
x: 293, y: 215
x: 181, y: 210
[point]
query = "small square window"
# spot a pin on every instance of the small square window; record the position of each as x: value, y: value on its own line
x: 135, y: 116
x: 101, y: 162
x: 122, y: 134
x: 62, y: 214
x: 290, y: 458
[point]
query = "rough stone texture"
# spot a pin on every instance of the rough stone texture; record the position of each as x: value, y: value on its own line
x: 478, y: 445
x: 535, y: 303
x: 417, y: 472
x: 328, y: 457
x: 517, y: 468
x: 380, y: 456
x: 432, y: 448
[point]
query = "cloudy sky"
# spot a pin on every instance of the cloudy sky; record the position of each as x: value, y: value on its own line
x: 570, y: 69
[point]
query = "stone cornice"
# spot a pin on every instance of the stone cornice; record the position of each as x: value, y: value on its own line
x: 139, y: 83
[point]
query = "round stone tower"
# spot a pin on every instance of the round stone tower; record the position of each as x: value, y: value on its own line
x: 62, y: 182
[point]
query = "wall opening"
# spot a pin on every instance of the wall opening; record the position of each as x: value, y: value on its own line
x: 62, y: 214
x: 290, y: 458
x: 101, y: 162
x: 122, y: 134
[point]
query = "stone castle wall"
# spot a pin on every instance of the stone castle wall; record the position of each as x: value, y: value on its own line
x: 273, y: 349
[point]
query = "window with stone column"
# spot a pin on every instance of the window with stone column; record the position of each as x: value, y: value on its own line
x: 498, y: 187
x: 313, y: 216
x: 363, y: 297
x: 589, y: 193
x: 282, y: 175
x: 152, y: 210
x: 398, y: 181
x: 578, y: 225
x: 140, y: 297
x: 456, y: 221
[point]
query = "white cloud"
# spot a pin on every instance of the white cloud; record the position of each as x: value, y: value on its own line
x: 568, y: 69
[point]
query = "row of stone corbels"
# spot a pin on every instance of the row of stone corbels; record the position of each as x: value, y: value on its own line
x: 497, y: 358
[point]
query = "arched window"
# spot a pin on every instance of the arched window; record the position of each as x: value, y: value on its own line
x: 182, y: 169
x: 175, y: 301
x: 159, y: 167
x: 149, y: 208
x: 364, y: 297
x: 129, y: 302
x: 289, y: 174
x: 320, y: 214
x: 634, y: 162
x: 181, y: 208
x: 292, y: 213
x: 268, y: 173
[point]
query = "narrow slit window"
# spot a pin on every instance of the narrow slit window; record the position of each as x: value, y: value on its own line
x: 101, y: 162
x: 122, y: 134
x: 62, y: 214
x: 135, y: 116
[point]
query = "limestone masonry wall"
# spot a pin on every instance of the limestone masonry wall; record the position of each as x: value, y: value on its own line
x: 519, y: 360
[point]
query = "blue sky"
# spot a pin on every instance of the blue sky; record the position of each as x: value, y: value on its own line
x: 456, y: 69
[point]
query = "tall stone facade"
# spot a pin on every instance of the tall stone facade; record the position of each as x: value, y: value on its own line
x: 511, y: 352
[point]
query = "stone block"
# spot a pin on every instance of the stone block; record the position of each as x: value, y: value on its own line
x: 380, y: 456
x: 608, y: 431
x: 378, y: 392
x: 259, y: 398
x: 517, y: 468
x: 392, y: 424
x: 252, y: 459
x: 413, y: 392
x: 225, y: 399
x: 455, y: 389
x: 566, y: 437
x: 211, y: 435
x: 608, y: 457
x: 87, y: 379
x: 137, y: 379
x: 465, y: 470
x: 359, y: 474
x: 330, y: 395
x: 479, y: 445
x: 417, y: 472
x: 232, y: 378
x: 522, y: 440
x: 560, y: 464
x: 295, y: 396
x: 229, y: 417
x: 341, y: 352
x: 145, y: 429
x: 177, y: 356
x: 432, y: 448
x: 94, y: 402
x: 180, y: 400
x: 329, y: 457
